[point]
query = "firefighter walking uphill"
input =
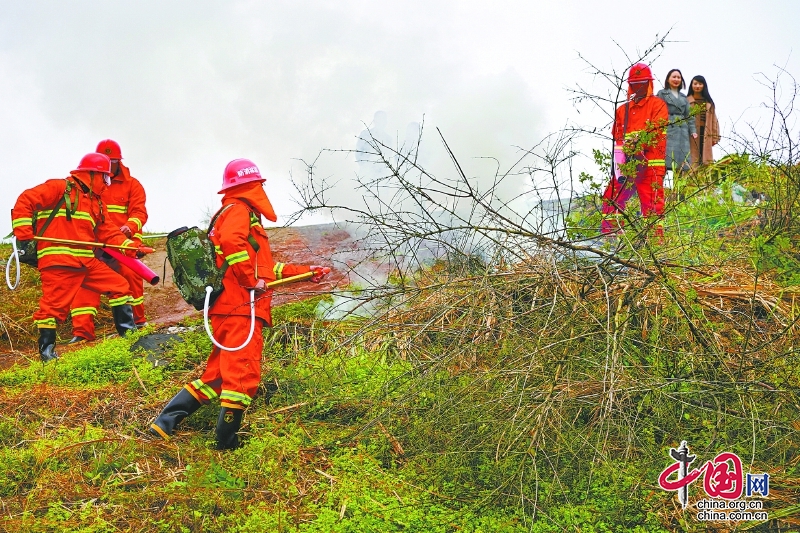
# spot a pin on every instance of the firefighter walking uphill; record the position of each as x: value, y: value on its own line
x: 241, y: 243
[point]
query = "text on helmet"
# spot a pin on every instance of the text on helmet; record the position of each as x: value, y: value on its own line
x: 246, y: 171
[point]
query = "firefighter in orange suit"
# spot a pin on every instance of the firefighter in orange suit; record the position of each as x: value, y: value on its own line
x: 241, y: 242
x: 65, y: 268
x: 639, y: 135
x: 124, y: 200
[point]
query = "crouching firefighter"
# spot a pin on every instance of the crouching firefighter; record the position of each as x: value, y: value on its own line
x: 125, y: 207
x: 233, y: 374
x: 71, y: 209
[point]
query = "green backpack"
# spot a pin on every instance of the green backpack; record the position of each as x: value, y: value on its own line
x: 194, y: 267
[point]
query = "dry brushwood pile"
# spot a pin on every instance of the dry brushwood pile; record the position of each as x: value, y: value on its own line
x: 543, y: 354
x: 561, y: 362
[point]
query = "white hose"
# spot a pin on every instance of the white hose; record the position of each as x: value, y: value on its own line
x: 252, y: 321
x: 14, y: 255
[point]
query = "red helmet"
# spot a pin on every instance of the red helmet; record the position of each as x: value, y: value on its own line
x: 240, y: 171
x: 639, y: 72
x: 109, y: 148
x: 95, y: 162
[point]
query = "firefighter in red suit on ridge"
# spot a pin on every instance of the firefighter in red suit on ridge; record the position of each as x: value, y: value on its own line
x: 241, y: 241
x: 639, y: 135
x: 124, y: 199
x: 66, y: 268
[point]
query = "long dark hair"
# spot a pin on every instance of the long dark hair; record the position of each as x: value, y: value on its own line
x: 666, y: 81
x: 704, y: 92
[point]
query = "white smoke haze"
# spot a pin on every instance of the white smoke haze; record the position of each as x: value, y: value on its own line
x: 479, y: 122
x: 185, y: 87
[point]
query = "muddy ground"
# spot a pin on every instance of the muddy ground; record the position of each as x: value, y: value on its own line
x: 308, y: 245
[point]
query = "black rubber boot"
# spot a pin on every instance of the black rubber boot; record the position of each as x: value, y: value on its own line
x: 76, y: 340
x: 228, y: 423
x: 123, y: 319
x: 179, y: 407
x: 47, y: 344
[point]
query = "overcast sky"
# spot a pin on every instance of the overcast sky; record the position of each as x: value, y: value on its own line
x: 186, y: 86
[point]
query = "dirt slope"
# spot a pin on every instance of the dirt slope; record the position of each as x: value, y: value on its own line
x: 311, y: 245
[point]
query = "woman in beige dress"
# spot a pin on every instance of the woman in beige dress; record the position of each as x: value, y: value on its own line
x: 705, y: 120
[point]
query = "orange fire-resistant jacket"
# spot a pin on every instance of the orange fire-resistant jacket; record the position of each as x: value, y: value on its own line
x: 125, y: 199
x: 648, y: 115
x: 238, y: 222
x: 87, y: 222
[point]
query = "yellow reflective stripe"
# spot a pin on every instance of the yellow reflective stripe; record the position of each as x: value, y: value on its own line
x: 83, y: 311
x: 116, y: 302
x: 80, y: 215
x: 633, y: 134
x: 127, y: 242
x: 205, y: 389
x: 136, y: 221
x: 656, y: 163
x: 191, y: 390
x: 63, y: 250
x: 217, y: 250
x: 137, y: 301
x: 231, y: 405
x: 17, y: 222
x: 116, y: 208
x: 160, y: 432
x: 233, y: 396
x: 278, y: 270
x: 45, y: 323
x: 237, y: 257
x: 138, y: 236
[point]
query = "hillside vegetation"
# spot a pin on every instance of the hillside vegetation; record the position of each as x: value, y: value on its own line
x: 539, y: 390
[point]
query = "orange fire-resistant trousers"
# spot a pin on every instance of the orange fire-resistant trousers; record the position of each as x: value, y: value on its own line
x: 61, y: 284
x: 648, y: 184
x: 86, y: 303
x: 231, y: 376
